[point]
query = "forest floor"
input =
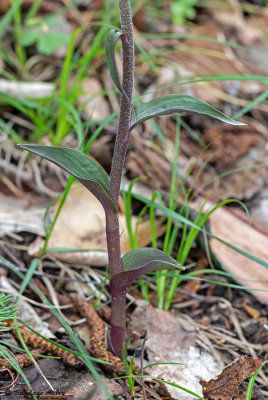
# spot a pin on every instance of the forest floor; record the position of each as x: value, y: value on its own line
x: 55, y: 89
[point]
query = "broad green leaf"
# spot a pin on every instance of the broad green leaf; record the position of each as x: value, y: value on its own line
x: 48, y: 43
x: 110, y: 43
x: 87, y: 171
x: 46, y: 34
x: 141, y: 261
x: 177, y: 103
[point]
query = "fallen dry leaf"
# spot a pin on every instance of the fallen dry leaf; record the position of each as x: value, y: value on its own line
x: 233, y: 227
x: 171, y: 339
x: 234, y: 19
x: 96, y: 258
x: 18, y: 215
x: 81, y: 225
x: 229, y: 144
x: 228, y: 384
x: 96, y: 107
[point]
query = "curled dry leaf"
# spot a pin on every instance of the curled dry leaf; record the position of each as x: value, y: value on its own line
x: 228, y: 384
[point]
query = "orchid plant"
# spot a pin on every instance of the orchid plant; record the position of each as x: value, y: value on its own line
x: 123, y: 270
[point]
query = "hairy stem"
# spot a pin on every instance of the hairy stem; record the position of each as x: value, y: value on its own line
x: 122, y: 136
x: 118, y: 321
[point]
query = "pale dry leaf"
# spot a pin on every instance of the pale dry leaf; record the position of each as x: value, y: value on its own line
x: 91, y: 257
x: 259, y: 210
x: 235, y: 229
x: 172, y: 340
x: 81, y: 225
x: 17, y: 216
x: 96, y: 107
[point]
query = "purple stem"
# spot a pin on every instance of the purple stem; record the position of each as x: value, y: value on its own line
x: 118, y: 324
x: 118, y: 317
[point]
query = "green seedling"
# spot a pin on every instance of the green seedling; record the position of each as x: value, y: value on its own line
x: 251, y: 382
x: 123, y: 270
x: 181, y: 10
x: 7, y: 309
x: 131, y: 381
x: 39, y: 31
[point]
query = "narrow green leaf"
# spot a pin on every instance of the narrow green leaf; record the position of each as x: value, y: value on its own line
x: 142, y: 261
x: 30, y: 272
x: 87, y: 171
x: 177, y: 103
x: 110, y: 43
x: 252, y: 380
x: 7, y: 18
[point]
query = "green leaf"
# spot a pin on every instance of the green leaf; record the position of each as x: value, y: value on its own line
x: 177, y: 103
x: 46, y: 35
x: 49, y: 42
x: 141, y: 261
x: 110, y: 43
x: 28, y: 38
x: 87, y: 171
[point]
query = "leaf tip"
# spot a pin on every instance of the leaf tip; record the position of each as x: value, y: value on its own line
x: 238, y: 123
x: 21, y: 146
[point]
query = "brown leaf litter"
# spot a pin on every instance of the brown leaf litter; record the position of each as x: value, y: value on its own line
x: 229, y: 144
x: 228, y: 384
x: 244, y: 236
